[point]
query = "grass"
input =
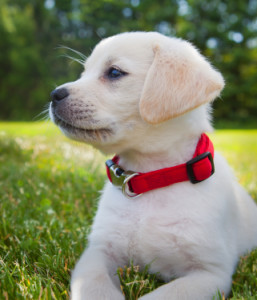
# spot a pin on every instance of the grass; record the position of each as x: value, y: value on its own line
x: 48, y: 199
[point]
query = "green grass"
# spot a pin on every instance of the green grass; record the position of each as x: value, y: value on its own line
x: 48, y: 199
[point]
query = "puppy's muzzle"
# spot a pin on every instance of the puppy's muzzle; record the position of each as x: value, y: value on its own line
x: 58, y: 95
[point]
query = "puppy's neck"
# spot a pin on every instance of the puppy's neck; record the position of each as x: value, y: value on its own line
x: 167, y: 144
x: 147, y: 161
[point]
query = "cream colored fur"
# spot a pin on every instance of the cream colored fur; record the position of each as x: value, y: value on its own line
x: 178, y: 73
x: 153, y: 116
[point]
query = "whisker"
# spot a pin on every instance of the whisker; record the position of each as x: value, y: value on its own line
x: 75, y: 51
x: 44, y: 115
x: 80, y: 60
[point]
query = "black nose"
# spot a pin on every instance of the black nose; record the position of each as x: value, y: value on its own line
x: 59, y: 94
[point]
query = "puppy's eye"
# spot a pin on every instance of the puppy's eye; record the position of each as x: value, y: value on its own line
x: 114, y: 73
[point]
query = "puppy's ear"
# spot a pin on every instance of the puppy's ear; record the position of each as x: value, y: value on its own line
x: 177, y: 82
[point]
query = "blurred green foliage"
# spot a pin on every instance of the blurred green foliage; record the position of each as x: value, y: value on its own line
x: 32, y: 64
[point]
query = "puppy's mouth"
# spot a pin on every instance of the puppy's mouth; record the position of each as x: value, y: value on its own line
x: 79, y: 133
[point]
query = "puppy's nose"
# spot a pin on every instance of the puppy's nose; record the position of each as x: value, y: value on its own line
x: 59, y: 94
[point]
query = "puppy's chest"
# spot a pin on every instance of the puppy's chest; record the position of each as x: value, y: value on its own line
x: 144, y: 229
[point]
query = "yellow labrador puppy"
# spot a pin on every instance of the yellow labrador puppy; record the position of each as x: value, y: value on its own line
x: 146, y: 98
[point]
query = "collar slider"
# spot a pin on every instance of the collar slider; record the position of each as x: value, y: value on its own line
x: 190, y: 170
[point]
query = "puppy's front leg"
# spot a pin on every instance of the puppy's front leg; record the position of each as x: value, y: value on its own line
x: 94, y: 278
x: 198, y: 285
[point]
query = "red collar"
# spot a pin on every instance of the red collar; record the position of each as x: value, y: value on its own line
x: 199, y: 168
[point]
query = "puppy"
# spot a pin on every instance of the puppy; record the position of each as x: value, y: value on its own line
x: 146, y: 97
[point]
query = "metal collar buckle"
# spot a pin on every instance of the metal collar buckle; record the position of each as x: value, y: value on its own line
x: 121, y: 178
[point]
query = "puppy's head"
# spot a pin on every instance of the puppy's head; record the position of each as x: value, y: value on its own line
x: 133, y: 82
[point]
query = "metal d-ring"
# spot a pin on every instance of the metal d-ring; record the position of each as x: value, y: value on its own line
x: 125, y: 187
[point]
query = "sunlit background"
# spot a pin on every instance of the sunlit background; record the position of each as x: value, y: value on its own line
x: 33, y: 61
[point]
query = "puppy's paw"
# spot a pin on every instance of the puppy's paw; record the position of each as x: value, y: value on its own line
x: 97, y: 289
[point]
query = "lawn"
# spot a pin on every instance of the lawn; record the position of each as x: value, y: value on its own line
x: 48, y: 200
